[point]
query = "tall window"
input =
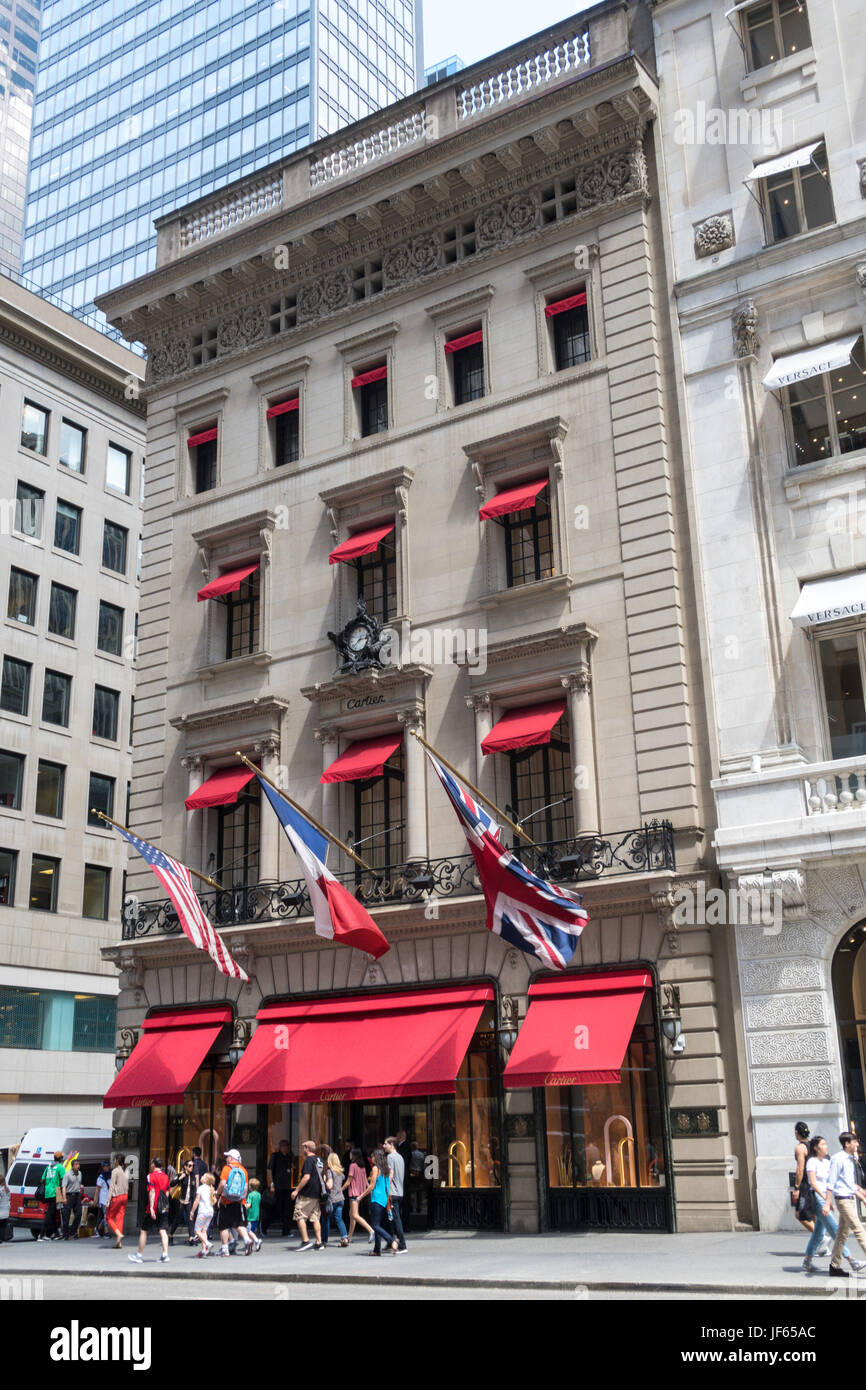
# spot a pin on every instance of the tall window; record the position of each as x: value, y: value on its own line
x: 467, y: 368
x: 21, y: 606
x: 827, y: 413
x: 11, y: 780
x: 29, y: 502
x: 94, y: 1023
x: 15, y: 689
x: 380, y: 816
x: 118, y: 469
x: 776, y: 29
x: 50, y: 781
x: 798, y: 200
x: 95, y: 897
x: 105, y: 708
x: 8, y: 865
x: 34, y: 428
x: 541, y: 787
x: 372, y: 397
x: 73, y: 440
x: 110, y: 632
x: 61, y: 611
x: 377, y: 580
x: 287, y: 437
x: 204, y: 465
x: 67, y: 527
x: 114, y: 542
x: 528, y: 544
x: 238, y: 839
x: 242, y: 618
x: 44, y: 876
x: 570, y: 328
x: 842, y: 660
x: 56, y: 694
x: 100, y: 797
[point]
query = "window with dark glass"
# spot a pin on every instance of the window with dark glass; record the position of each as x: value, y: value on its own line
x: 29, y: 502
x: 21, y: 607
x: 287, y: 438
x: 50, y: 781
x: 467, y: 366
x: 8, y: 865
x: 105, y: 708
x: 380, y: 816
x: 374, y: 406
x: 238, y: 838
x: 100, y: 797
x: 528, y: 544
x: 110, y: 632
x: 94, y: 901
x: 118, y: 468
x: 571, y: 337
x: 34, y: 428
x: 22, y: 1023
x: 67, y: 527
x: 827, y: 413
x: 11, y: 780
x: 94, y: 1023
x: 842, y: 665
x: 775, y: 30
x: 44, y: 875
x: 204, y: 465
x: 114, y: 541
x: 242, y: 617
x: 55, y: 698
x: 541, y: 787
x: 798, y: 200
x: 15, y: 689
x: 377, y: 580
x: 61, y: 611
x: 72, y: 446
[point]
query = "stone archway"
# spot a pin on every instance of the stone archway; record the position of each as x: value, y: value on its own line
x: 849, y: 1002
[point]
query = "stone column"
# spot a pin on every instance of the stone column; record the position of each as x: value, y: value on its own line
x: 193, y: 829
x: 329, y: 740
x: 485, y: 779
x: 416, y: 787
x: 578, y: 683
x: 268, y: 750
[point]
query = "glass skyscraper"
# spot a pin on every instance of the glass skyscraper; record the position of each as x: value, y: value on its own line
x: 19, y: 54
x: 144, y: 105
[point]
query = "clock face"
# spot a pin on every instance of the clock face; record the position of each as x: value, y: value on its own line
x: 357, y: 639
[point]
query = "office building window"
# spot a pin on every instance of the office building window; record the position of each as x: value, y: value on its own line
x: 287, y: 438
x: 8, y: 865
x: 568, y: 319
x: 73, y: 440
x: 11, y: 780
x: 44, y: 876
x: 34, y: 428
x: 826, y: 413
x: 377, y: 581
x: 94, y: 1023
x: 48, y: 1020
x: 541, y: 786
x: 242, y: 618
x: 110, y: 633
x: 15, y: 689
x: 50, y: 779
x: 29, y: 502
x: 118, y: 469
x: 100, y: 797
x: 55, y: 698
x: 21, y: 607
x: 67, y: 527
x: 114, y: 541
x: 467, y: 365
x: 95, y: 898
x: 105, y: 708
x: 61, y: 611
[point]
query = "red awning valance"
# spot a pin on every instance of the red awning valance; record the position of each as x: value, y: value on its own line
x: 524, y: 727
x: 220, y: 789
x: 365, y: 378
x: 366, y: 757
x: 562, y: 306
x: 204, y: 438
x: 226, y: 583
x: 577, y: 1029
x: 513, y: 499
x: 283, y: 408
x: 410, y: 1043
x: 362, y: 543
x: 167, y: 1057
x: 467, y: 340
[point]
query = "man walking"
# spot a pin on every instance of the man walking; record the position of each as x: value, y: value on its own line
x: 156, y: 1213
x: 233, y: 1188
x: 843, y: 1186
x: 72, y: 1200
x: 103, y: 1183
x: 54, y: 1175
x: 308, y: 1197
x: 279, y: 1185
x: 397, y: 1166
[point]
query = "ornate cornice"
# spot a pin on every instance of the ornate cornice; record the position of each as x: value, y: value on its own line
x: 554, y: 640
x: 388, y: 680
x: 227, y: 715
x: 67, y: 366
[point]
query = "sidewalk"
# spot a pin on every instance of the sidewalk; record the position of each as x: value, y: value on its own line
x: 721, y: 1262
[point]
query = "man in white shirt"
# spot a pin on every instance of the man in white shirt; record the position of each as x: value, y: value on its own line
x: 844, y: 1188
x: 397, y: 1170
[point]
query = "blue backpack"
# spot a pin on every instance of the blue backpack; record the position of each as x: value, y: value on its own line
x: 236, y: 1185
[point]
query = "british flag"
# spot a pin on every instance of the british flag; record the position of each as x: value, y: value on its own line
x: 535, y: 916
x: 177, y: 882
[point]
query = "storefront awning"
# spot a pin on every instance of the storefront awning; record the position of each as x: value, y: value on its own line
x: 524, y: 727
x: 410, y: 1043
x: 562, y: 306
x: 366, y: 757
x: 283, y: 408
x: 577, y: 1029
x: 467, y: 340
x: 799, y: 366
x: 165, y: 1060
x: 220, y: 789
x: 367, y: 378
x: 830, y: 600
x: 205, y: 437
x: 513, y: 499
x: 227, y: 583
x: 362, y: 543
x: 794, y: 160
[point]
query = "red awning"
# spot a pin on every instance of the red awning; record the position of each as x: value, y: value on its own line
x: 283, y: 408
x: 577, y: 1029
x: 164, y: 1062
x: 410, y: 1043
x: 468, y: 340
x: 366, y: 757
x: 365, y: 378
x: 226, y: 583
x: 362, y: 543
x: 513, y: 499
x: 221, y: 788
x: 204, y: 438
x: 562, y: 306
x: 524, y: 727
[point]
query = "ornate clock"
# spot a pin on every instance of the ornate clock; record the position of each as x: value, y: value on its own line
x: 360, y: 643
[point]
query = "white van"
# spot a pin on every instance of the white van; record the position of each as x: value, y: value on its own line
x: 35, y: 1152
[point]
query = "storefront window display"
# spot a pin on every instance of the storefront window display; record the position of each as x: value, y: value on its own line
x: 202, y: 1120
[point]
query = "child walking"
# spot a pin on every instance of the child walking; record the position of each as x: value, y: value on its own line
x: 202, y: 1212
x: 253, y: 1204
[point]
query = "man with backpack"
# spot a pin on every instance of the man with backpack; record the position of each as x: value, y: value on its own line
x: 308, y: 1197
x: 232, y: 1191
x: 156, y: 1212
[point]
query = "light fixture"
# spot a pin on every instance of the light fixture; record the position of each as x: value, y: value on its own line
x: 240, y: 1040
x: 671, y: 1022
x: 509, y: 1017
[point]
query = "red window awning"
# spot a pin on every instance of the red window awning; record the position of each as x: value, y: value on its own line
x: 410, y: 1043
x: 362, y: 543
x: 366, y: 757
x: 165, y: 1060
x: 562, y: 306
x: 513, y: 499
x: 365, y: 378
x: 226, y: 583
x: 577, y: 1029
x: 524, y: 727
x: 204, y: 438
x: 467, y: 340
x: 221, y: 788
x: 283, y: 408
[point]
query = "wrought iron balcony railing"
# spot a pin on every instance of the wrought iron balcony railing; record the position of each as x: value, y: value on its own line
x: 586, y: 857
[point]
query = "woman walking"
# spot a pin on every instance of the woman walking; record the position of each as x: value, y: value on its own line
x: 184, y: 1206
x: 380, y: 1200
x: 817, y: 1169
x: 356, y: 1183
x: 118, y: 1195
x: 334, y: 1176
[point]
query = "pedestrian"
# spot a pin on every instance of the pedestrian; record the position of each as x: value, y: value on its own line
x: 801, y: 1155
x: 5, y: 1204
x: 199, y: 1167
x: 202, y: 1211
x: 71, y: 1200
x: 381, y: 1213
x: 279, y: 1185
x: 184, y: 1204
x: 843, y: 1188
x: 253, y: 1205
x: 334, y: 1177
x: 397, y: 1170
x: 103, y: 1183
x: 308, y: 1197
x: 233, y: 1187
x: 118, y: 1196
x: 156, y: 1216
x: 817, y: 1170
x: 53, y: 1179
x: 354, y: 1187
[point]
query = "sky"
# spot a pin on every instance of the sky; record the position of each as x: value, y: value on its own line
x: 472, y: 31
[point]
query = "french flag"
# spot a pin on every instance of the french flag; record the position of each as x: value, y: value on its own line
x: 337, y: 913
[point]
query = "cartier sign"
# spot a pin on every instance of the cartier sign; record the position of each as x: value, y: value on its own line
x: 365, y: 701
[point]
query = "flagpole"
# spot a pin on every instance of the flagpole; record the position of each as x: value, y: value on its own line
x: 327, y: 833
x: 212, y: 883
x: 474, y: 789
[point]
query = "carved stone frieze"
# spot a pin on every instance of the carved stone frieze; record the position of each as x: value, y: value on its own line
x: 794, y: 939
x: 713, y: 235
x: 785, y: 1011
x: 241, y: 330
x: 790, y: 1045
x: 793, y: 1085
x: 778, y: 976
x: 785, y: 886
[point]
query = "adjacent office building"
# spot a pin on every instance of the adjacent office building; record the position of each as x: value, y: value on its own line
x: 19, y: 52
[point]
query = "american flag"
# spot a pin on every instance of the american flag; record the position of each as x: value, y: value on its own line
x: 177, y: 882
x: 535, y: 916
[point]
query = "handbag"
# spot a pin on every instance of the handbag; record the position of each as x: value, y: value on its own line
x: 174, y: 1192
x: 807, y: 1206
x: 40, y: 1188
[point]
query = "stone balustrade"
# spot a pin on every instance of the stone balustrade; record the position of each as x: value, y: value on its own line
x: 827, y: 791
x: 495, y: 88
x: 238, y: 204
x: 350, y: 156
